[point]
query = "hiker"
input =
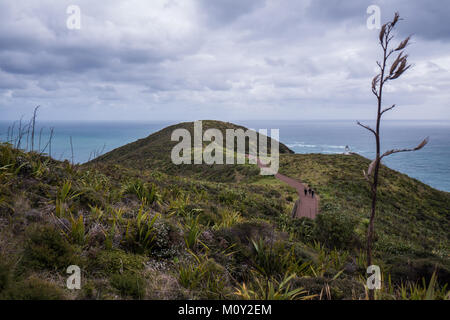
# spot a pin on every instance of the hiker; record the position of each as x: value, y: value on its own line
x: 312, y: 193
x: 309, y: 190
x: 306, y: 192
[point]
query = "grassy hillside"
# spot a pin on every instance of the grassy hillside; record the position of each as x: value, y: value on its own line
x: 163, y: 232
x: 155, y: 150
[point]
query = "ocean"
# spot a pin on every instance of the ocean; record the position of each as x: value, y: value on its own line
x: 430, y: 165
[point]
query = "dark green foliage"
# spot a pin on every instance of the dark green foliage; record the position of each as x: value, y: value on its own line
x: 141, y: 233
x: 47, y: 249
x: 335, y: 230
x: 339, y: 289
x: 409, y: 213
x: 129, y: 284
x: 208, y: 218
x: 243, y: 232
x: 230, y: 197
x: 125, y: 252
x: 304, y: 228
x: 34, y: 289
x: 5, y: 276
x: 270, y: 259
x: 410, y: 268
x: 146, y: 193
x: 204, y: 276
x: 109, y: 262
x: 155, y: 150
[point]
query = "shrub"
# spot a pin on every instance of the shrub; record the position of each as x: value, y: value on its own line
x: 335, y: 230
x: 271, y: 290
x: 303, y: 228
x: 243, y: 232
x: 192, y: 232
x: 270, y: 207
x: 129, y: 284
x: 141, y: 233
x: 229, y: 218
x: 34, y: 289
x: 115, y: 261
x: 272, y: 193
x: 270, y: 259
x: 205, y: 276
x: 338, y: 288
x: 168, y: 238
x: 410, y: 268
x: 229, y: 197
x: 90, y: 197
x: 47, y: 249
x: 148, y: 194
x: 190, y: 275
x: 208, y: 217
x: 76, y: 231
x: 5, y: 275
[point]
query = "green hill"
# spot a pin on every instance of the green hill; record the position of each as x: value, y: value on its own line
x: 155, y: 150
x: 140, y: 227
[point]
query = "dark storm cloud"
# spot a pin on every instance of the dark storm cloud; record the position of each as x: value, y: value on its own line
x: 214, y: 58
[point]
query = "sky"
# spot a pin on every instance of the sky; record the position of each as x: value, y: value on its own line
x: 225, y: 60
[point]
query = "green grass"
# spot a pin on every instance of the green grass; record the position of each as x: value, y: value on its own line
x: 213, y: 232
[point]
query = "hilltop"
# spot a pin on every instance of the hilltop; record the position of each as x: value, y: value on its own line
x: 154, y: 152
x: 140, y: 227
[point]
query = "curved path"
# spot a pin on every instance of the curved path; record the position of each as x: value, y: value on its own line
x: 306, y: 205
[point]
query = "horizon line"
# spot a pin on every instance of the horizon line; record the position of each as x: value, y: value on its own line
x: 207, y: 119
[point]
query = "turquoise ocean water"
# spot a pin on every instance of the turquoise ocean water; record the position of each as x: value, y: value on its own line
x: 430, y: 165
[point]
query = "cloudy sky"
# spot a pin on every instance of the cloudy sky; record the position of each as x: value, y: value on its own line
x: 216, y: 59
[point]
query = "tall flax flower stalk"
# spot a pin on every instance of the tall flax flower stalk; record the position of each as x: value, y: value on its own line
x: 386, y: 73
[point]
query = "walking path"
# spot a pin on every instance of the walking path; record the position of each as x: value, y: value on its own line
x: 307, y: 206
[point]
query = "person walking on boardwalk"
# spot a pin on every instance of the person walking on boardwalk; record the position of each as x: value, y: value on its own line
x: 306, y: 192
x: 312, y: 193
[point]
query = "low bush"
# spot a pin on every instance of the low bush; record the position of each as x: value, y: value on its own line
x: 148, y: 194
x: 410, y: 268
x: 228, y: 218
x: 5, y: 276
x: 337, y: 289
x: 141, y: 233
x: 243, y: 232
x: 336, y: 230
x: 270, y: 259
x: 204, y: 276
x: 129, y: 284
x: 109, y: 262
x: 47, y: 249
x: 34, y: 289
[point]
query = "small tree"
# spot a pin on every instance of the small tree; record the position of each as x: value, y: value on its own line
x: 386, y: 74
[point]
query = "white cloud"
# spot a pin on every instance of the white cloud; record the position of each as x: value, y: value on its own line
x: 170, y: 59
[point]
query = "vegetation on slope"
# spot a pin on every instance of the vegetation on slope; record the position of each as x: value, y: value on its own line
x: 155, y: 150
x: 147, y: 233
x: 413, y: 218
